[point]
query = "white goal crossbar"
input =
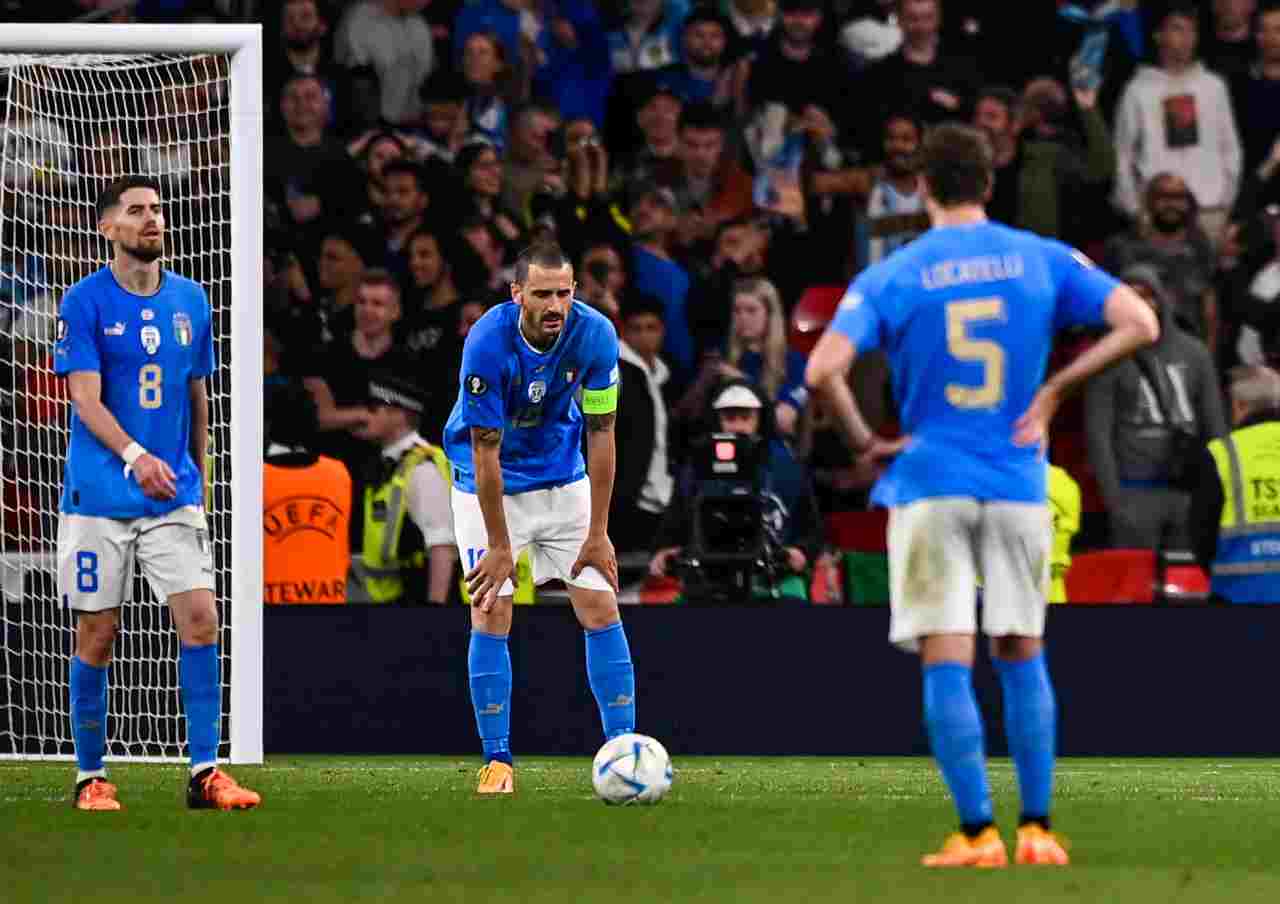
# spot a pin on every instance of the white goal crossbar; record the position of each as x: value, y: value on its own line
x: 69, y: 44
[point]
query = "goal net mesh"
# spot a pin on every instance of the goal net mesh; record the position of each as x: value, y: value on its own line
x: 68, y: 125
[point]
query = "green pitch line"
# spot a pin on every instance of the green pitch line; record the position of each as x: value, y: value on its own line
x: 739, y: 831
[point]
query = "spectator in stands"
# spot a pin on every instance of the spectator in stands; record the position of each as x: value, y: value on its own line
x: 753, y: 23
x: 307, y: 171
x: 1252, y: 298
x: 1037, y: 172
x: 649, y: 36
x: 585, y: 212
x: 1255, y: 91
x: 444, y: 117
x: 1230, y: 47
x: 895, y: 211
x: 1235, y: 506
x: 481, y: 172
x: 303, y: 30
x: 345, y: 253
x: 602, y: 279
x: 340, y: 370
x: 654, y: 216
x: 657, y: 159
x: 405, y: 211
x: 529, y: 161
x: 493, y: 86
x: 407, y: 550
x: 704, y: 72
x: 306, y: 506
x: 923, y: 75
x: 393, y: 38
x: 757, y: 350
x: 490, y: 251
x: 576, y: 71
x: 1145, y: 417
x: 1169, y: 238
x: 712, y: 187
x: 792, y: 518
x: 372, y: 152
x: 872, y: 32
x: 471, y: 312
x: 643, y: 483
x: 798, y: 71
x: 1176, y: 117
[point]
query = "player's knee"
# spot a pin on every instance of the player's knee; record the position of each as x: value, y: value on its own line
x: 1015, y: 648
x: 201, y: 628
x: 599, y: 611
x: 95, y: 636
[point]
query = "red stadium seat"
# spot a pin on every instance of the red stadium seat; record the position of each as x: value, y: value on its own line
x: 1112, y: 576
x: 812, y: 313
x: 859, y: 531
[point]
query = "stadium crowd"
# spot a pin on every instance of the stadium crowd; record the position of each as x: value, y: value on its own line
x: 718, y: 171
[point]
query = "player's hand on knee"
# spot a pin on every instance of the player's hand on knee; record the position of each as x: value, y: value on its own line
x: 598, y: 553
x: 155, y: 477
x: 486, y: 579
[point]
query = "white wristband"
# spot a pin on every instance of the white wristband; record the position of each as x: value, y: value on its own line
x: 131, y: 453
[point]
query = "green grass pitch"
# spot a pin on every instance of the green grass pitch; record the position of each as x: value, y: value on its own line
x: 782, y: 831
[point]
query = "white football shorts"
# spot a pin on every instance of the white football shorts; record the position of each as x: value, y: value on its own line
x: 552, y: 523
x: 96, y: 557
x: 939, y: 548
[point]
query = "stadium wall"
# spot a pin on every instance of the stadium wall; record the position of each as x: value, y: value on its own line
x: 1132, y: 681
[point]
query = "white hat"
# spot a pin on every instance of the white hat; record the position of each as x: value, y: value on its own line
x: 737, y: 396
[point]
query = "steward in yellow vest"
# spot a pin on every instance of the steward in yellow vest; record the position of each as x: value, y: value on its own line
x: 407, y: 522
x: 1064, y: 506
x: 1235, y: 505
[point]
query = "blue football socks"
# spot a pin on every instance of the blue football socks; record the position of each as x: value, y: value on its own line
x: 1030, y: 724
x: 489, y: 665
x: 88, y: 716
x: 612, y: 678
x: 955, y: 735
x: 202, y: 701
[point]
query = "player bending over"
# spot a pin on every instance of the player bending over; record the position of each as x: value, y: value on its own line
x: 514, y: 441
x: 966, y: 314
x: 135, y: 343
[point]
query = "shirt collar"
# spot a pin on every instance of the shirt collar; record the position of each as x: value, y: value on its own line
x: 403, y: 445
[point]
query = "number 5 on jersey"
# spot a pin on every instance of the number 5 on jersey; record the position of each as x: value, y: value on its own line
x: 150, y: 386
x: 987, y: 352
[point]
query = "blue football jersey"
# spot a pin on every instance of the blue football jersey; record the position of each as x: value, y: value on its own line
x: 966, y: 316
x: 530, y: 396
x: 147, y: 350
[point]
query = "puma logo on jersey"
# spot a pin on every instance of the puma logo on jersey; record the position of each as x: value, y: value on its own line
x: 116, y: 329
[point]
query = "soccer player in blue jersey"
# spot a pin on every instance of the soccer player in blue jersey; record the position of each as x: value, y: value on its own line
x: 136, y: 345
x: 966, y: 314
x: 535, y: 371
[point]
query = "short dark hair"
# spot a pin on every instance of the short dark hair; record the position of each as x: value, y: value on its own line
x: 1187, y: 9
x: 638, y: 303
x: 701, y: 115
x: 363, y: 240
x: 415, y: 170
x: 379, y: 276
x: 957, y: 162
x: 110, y: 196
x: 904, y: 115
x: 546, y: 255
x: 1002, y: 94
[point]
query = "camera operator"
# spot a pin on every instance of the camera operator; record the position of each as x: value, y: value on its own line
x: 792, y: 528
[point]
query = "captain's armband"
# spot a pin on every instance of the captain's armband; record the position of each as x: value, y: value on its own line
x: 600, y: 401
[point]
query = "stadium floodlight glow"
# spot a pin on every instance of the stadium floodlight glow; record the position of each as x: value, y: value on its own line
x: 80, y: 104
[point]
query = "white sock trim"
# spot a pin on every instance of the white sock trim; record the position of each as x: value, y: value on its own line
x: 93, y: 773
x: 201, y: 767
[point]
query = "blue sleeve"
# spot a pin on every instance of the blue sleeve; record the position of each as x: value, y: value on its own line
x: 204, y: 364
x: 602, y: 370
x: 77, y: 344
x: 1082, y: 287
x: 483, y: 383
x: 793, y: 391
x: 858, y: 314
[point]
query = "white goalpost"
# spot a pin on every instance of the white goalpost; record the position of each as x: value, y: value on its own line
x: 80, y: 105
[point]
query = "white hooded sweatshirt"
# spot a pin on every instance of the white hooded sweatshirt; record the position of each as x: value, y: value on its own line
x: 1180, y: 124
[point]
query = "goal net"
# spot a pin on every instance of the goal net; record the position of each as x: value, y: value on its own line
x: 69, y: 123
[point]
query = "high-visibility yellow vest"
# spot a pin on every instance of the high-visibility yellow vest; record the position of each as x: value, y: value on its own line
x: 1064, y: 505
x: 385, y: 508
x: 1246, y: 568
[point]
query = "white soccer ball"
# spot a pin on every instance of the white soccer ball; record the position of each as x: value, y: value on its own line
x: 631, y: 769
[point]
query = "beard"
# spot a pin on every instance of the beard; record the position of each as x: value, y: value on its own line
x: 1168, y: 223
x: 901, y: 164
x: 704, y: 60
x: 301, y: 42
x: 146, y: 254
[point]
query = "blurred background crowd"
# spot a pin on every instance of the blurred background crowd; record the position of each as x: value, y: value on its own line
x: 718, y: 171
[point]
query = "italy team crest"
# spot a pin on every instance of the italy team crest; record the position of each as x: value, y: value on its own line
x: 182, y: 328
